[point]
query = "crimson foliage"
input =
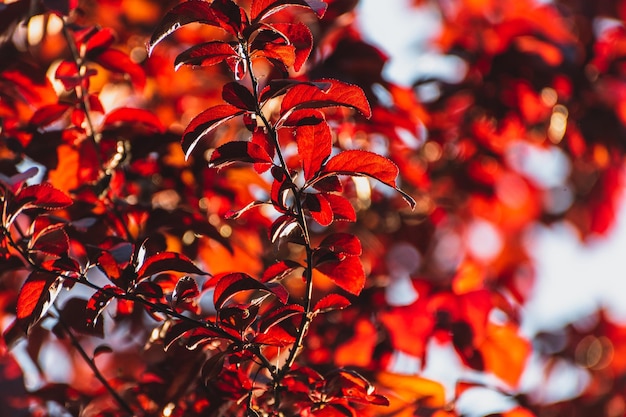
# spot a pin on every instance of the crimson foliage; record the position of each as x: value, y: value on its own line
x: 201, y: 200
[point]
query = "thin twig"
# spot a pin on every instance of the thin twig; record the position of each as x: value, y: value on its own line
x: 92, y: 365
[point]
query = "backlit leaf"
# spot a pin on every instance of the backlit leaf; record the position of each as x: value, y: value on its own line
x: 338, y: 94
x: 238, y: 151
x: 318, y: 208
x: 119, y: 62
x: 191, y: 11
x: 365, y: 163
x: 348, y: 273
x: 186, y: 288
x: 261, y: 9
x: 168, y: 261
x: 206, y: 54
x: 205, y: 122
x: 130, y: 116
x: 278, y: 315
x: 233, y: 283
x: 342, y: 244
x: 314, y: 146
x: 40, y: 196
x: 331, y: 302
x: 341, y: 207
x: 35, y: 298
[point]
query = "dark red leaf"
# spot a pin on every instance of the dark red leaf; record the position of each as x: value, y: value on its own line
x: 213, y: 367
x: 194, y: 11
x: 231, y: 17
x: 341, y: 206
x: 364, y: 163
x: 328, y: 184
x: 238, y: 151
x: 279, y: 270
x: 168, y: 261
x: 98, y: 302
x: 261, y: 9
x: 186, y: 288
x: 35, y: 298
x: 233, y: 283
x: 205, y: 122
x: 319, y: 208
x: 232, y: 215
x: 120, y: 63
x: 130, y: 116
x: 206, y: 54
x: 41, y: 196
x: 331, y: 302
x: 47, y: 115
x: 339, y: 94
x: 51, y: 240
x: 314, y: 146
x: 239, y: 96
x: 342, y: 244
x: 348, y: 273
x: 278, y: 315
x: 176, y: 332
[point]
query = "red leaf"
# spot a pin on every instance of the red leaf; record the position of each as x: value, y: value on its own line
x: 36, y: 297
x: 185, y: 289
x: 319, y: 208
x: 342, y: 244
x: 232, y: 18
x: 341, y: 206
x: 348, y: 273
x: 314, y: 146
x: 194, y: 11
x: 239, y: 96
x: 179, y: 329
x: 67, y: 73
x: 41, y: 196
x: 127, y: 115
x: 339, y: 94
x: 358, y: 163
x: 206, y: 54
x: 101, y: 40
x: 51, y: 240
x: 278, y: 315
x: 279, y: 270
x: 206, y: 122
x: 331, y: 302
x: 168, y: 261
x: 15, y: 182
x: 47, y: 115
x: 300, y: 38
x: 261, y: 9
x: 98, y: 302
x: 238, y: 151
x: 118, y: 62
x: 231, y: 284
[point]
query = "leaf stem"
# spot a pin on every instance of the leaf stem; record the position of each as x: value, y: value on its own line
x: 80, y: 89
x: 92, y: 365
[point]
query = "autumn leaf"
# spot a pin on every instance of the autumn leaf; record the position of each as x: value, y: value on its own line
x: 205, y: 123
x: 348, y: 273
x: 307, y: 96
x: 365, y: 163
